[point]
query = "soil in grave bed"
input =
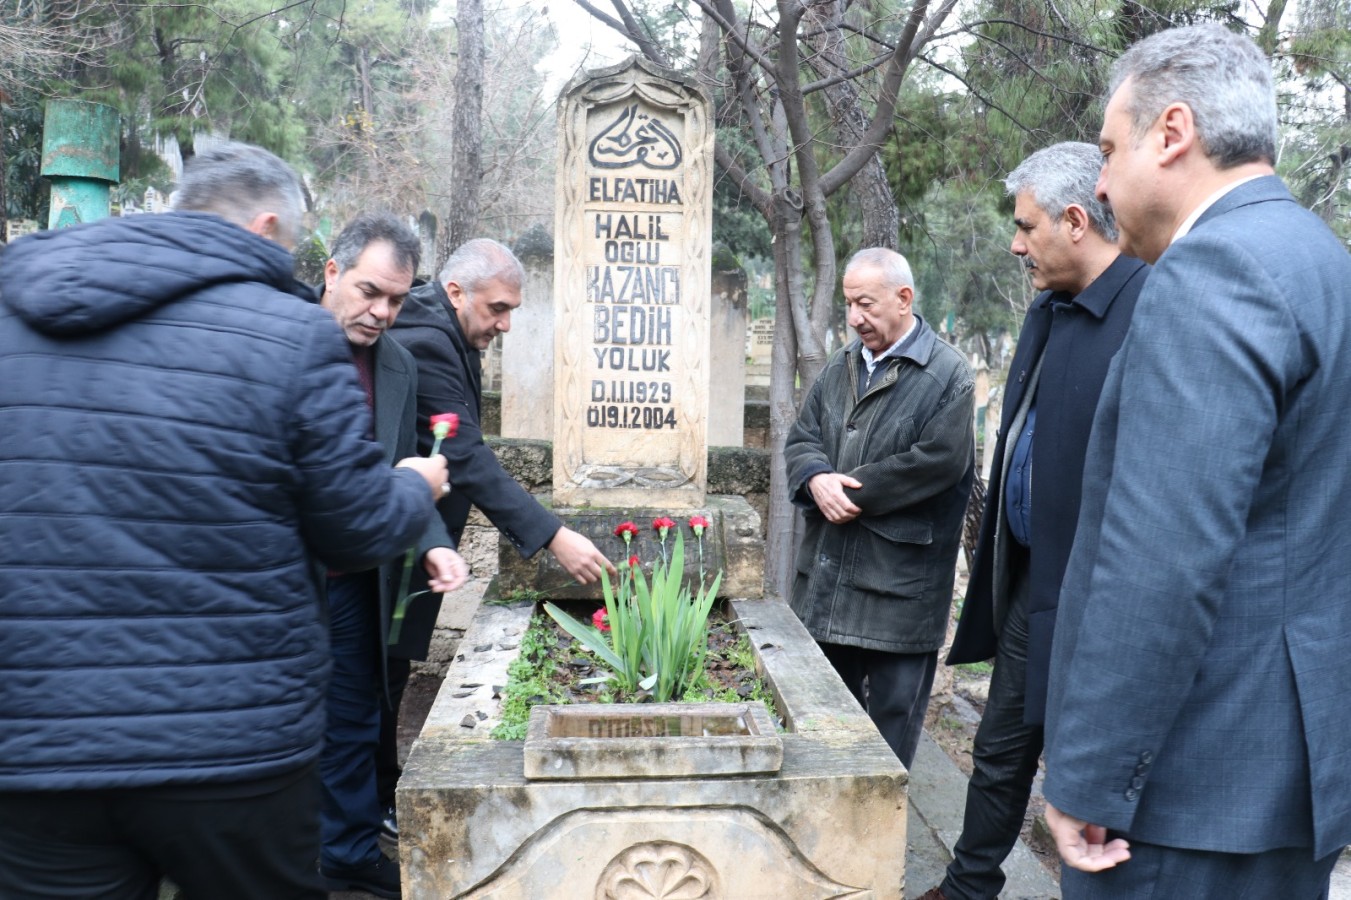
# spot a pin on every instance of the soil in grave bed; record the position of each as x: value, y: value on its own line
x: 552, y: 666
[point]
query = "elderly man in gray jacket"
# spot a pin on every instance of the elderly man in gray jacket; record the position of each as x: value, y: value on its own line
x: 881, y: 460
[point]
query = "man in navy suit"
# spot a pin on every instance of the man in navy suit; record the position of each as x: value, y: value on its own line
x: 1066, y: 239
x: 1198, y: 743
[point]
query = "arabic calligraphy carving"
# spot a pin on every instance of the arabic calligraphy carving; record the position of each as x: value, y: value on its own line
x: 635, y: 138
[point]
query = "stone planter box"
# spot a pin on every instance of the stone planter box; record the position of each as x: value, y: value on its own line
x: 829, y: 823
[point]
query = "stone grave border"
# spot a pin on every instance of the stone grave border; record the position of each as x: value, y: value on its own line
x: 830, y: 823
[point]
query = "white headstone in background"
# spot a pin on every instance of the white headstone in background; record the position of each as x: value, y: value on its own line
x: 632, y: 272
x: 17, y: 228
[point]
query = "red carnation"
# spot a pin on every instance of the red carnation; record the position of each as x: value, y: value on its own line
x: 634, y: 562
x: 598, y: 620
x: 449, y: 421
x: 663, y: 525
x: 627, y: 530
x: 698, y: 524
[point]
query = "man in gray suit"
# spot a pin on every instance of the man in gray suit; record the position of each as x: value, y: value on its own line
x: 1198, y: 743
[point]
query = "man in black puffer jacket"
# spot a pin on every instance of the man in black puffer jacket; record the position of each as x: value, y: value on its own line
x: 183, y: 441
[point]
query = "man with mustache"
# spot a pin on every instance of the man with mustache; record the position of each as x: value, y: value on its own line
x: 1065, y: 238
x: 881, y: 460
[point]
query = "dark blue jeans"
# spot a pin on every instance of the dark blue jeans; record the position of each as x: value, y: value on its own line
x: 1004, y: 762
x: 350, y: 820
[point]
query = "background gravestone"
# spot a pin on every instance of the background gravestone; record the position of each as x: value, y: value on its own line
x: 632, y: 270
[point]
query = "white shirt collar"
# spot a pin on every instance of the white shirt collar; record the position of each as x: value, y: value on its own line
x: 1187, y: 223
x: 871, y: 361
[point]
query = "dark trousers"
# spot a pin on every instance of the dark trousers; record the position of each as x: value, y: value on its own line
x: 1167, y: 873
x: 387, y: 768
x: 1004, y: 761
x: 350, y: 821
x: 892, y: 687
x: 216, y: 842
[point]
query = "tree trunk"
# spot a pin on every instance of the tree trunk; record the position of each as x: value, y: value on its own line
x: 877, y: 206
x: 781, y: 530
x: 467, y: 127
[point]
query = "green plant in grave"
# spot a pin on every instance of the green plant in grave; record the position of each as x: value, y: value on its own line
x: 654, y: 633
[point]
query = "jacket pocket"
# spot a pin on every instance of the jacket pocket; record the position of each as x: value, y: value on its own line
x: 807, y: 548
x: 891, y: 556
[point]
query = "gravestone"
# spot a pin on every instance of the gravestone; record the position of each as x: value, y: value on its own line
x: 759, y: 351
x: 727, y: 360
x: 527, y: 353
x: 17, y: 228
x: 632, y: 270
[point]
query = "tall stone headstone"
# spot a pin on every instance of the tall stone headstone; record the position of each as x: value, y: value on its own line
x: 632, y: 270
x: 727, y: 355
x: 527, y: 353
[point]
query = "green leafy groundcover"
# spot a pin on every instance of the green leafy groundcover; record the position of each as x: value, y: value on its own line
x: 552, y: 667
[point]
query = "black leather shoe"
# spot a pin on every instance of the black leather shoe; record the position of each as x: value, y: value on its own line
x: 380, y: 878
x: 389, y: 824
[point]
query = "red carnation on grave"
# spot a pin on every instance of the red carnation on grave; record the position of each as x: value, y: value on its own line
x: 598, y: 619
x: 698, y: 524
x: 627, y: 530
x: 634, y: 562
x: 662, y: 526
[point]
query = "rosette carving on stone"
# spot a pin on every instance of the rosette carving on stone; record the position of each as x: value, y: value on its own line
x: 658, y: 870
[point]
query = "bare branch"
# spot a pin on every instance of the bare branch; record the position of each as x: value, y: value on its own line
x: 975, y: 93
x: 639, y: 35
x: 914, y: 36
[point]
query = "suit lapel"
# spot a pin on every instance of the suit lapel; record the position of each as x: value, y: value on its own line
x: 391, y: 387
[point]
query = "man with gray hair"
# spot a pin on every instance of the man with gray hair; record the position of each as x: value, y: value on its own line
x: 184, y: 444
x: 881, y: 460
x: 1065, y: 238
x: 1197, y: 741
x: 447, y: 325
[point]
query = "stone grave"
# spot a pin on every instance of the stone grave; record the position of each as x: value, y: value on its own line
x: 823, y: 815
x: 698, y: 803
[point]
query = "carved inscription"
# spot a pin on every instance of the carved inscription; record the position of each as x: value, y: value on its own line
x: 633, y: 274
x: 632, y: 286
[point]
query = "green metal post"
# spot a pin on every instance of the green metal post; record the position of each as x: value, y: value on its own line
x: 80, y: 158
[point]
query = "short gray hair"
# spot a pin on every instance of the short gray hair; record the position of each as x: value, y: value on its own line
x: 370, y: 227
x: 238, y: 182
x: 1064, y: 175
x: 895, y: 270
x: 1221, y: 75
x: 477, y: 262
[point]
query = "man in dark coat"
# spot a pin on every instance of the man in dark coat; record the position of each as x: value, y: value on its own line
x: 184, y: 439
x: 1066, y: 239
x: 446, y: 326
x: 365, y: 285
x: 881, y: 460
x: 1197, y: 739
